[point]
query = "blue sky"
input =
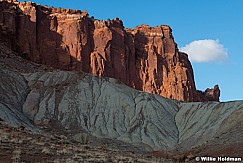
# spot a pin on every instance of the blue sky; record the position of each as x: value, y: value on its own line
x: 191, y: 20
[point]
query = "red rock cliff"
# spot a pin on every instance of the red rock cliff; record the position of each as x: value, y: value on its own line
x: 146, y: 58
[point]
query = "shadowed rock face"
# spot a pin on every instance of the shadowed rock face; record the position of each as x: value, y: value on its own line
x: 145, y: 58
x: 13, y: 90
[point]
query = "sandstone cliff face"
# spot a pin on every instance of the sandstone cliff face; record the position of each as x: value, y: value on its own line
x: 145, y: 58
x: 160, y: 66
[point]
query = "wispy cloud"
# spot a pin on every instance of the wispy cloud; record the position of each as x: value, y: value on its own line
x: 205, y: 51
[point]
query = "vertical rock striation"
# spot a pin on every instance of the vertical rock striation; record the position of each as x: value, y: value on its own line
x: 145, y: 58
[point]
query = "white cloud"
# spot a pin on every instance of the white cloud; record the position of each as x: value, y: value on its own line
x: 205, y: 51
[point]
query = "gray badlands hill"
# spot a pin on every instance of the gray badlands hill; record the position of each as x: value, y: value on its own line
x: 37, y: 97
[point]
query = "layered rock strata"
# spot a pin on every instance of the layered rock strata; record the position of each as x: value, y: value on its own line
x: 145, y: 58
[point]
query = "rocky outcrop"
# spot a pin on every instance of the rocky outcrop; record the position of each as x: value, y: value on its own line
x: 210, y: 94
x: 162, y: 68
x: 145, y: 58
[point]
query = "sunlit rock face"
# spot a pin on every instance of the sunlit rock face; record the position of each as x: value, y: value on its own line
x: 145, y: 58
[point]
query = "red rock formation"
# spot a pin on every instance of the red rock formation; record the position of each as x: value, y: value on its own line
x: 210, y: 94
x: 160, y: 66
x: 146, y: 58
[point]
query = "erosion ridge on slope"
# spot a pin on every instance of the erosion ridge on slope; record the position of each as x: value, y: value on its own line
x: 77, y: 103
x: 145, y: 58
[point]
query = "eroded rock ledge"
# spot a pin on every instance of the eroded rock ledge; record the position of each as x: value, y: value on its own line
x: 145, y: 58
